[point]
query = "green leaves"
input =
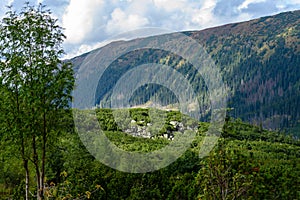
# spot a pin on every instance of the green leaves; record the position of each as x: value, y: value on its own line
x: 36, y: 85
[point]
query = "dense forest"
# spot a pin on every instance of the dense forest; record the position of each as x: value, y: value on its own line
x: 248, y: 163
x: 258, y: 60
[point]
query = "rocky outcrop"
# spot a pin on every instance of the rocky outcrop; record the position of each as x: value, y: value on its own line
x: 147, y: 131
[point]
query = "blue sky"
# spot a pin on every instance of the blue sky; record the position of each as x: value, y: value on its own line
x: 89, y: 23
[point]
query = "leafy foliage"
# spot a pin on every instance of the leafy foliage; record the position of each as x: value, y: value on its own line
x: 248, y: 163
x: 35, y: 87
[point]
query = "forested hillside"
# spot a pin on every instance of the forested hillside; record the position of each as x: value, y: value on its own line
x: 247, y: 163
x: 259, y: 61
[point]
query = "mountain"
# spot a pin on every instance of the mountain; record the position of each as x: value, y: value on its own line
x: 259, y: 61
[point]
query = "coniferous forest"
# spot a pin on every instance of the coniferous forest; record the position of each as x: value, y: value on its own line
x: 258, y: 60
x: 257, y: 156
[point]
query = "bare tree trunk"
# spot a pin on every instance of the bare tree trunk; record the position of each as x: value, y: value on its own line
x: 25, y: 164
x: 37, y: 170
x: 26, y: 168
x: 43, y: 155
x: 24, y: 158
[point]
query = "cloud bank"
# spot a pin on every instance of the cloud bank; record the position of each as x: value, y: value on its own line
x: 88, y: 23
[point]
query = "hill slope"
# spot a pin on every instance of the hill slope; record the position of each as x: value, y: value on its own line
x: 247, y: 163
x: 259, y: 61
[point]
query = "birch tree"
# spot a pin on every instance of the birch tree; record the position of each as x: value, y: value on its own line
x: 36, y: 85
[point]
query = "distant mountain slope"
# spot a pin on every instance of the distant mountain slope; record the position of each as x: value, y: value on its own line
x: 259, y: 60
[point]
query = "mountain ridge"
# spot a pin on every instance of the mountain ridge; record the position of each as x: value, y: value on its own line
x: 257, y: 58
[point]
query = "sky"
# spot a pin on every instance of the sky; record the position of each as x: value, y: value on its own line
x: 92, y: 23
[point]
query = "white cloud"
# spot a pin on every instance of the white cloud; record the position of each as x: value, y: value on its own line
x: 89, y: 22
x: 246, y: 3
x: 170, y: 5
x: 121, y: 21
x: 204, y: 16
x: 294, y: 1
x: 10, y: 2
x: 79, y: 18
x: 81, y: 49
x: 209, y: 5
x: 283, y: 4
